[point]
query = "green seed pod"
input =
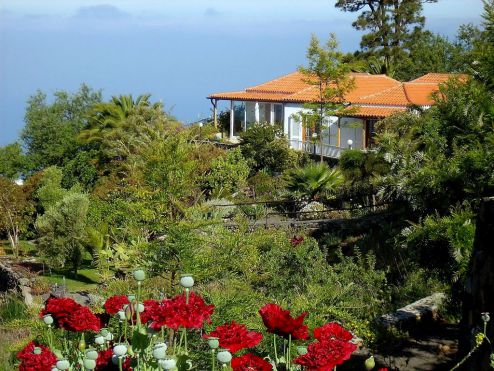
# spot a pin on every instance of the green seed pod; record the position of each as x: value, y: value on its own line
x: 139, y: 275
x: 63, y: 364
x: 213, y: 342
x: 224, y: 356
x: 370, y: 363
x: 89, y: 364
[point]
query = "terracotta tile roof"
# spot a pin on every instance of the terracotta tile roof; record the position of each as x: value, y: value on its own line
x: 376, y: 112
x: 377, y: 90
x: 420, y: 94
x: 439, y: 77
x: 249, y: 96
x: 287, y: 84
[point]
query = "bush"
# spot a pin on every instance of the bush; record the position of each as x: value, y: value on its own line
x: 228, y: 174
x: 265, y: 147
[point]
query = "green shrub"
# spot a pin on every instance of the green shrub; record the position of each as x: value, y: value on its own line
x: 228, y: 174
x: 265, y: 147
x: 12, y: 308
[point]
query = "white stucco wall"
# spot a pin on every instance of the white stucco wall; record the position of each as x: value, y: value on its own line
x: 351, y: 128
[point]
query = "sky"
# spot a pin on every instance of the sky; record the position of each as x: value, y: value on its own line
x: 179, y: 51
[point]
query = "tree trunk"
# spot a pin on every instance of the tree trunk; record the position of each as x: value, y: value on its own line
x: 479, y: 292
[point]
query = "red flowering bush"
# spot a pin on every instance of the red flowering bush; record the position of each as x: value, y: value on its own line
x: 150, y: 308
x: 60, y: 309
x: 326, y: 355
x: 30, y: 361
x: 296, y: 240
x: 249, y: 362
x: 332, y: 348
x: 82, y: 319
x: 175, y: 312
x: 332, y: 331
x: 186, y: 311
x: 115, y: 303
x: 234, y: 336
x: 104, y: 362
x: 279, y: 321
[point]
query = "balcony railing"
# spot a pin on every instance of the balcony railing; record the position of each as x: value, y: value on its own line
x: 316, y: 148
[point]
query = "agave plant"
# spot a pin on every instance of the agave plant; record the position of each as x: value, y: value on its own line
x: 313, y: 180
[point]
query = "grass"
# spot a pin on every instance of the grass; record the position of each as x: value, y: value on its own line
x: 86, y: 279
x: 26, y: 248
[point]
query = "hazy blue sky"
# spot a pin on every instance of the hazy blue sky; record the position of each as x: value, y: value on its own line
x: 177, y: 50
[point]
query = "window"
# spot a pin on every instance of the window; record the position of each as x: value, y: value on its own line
x: 278, y: 113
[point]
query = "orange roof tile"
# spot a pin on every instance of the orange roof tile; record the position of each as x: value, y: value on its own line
x: 439, y: 77
x: 377, y: 90
x: 377, y: 112
x: 287, y: 84
x: 420, y: 94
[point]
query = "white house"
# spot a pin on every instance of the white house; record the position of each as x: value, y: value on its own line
x: 372, y: 98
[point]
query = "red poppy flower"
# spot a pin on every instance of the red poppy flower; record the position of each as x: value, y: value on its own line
x: 234, y: 336
x: 332, y: 331
x: 250, y: 362
x: 296, y: 240
x: 383, y: 369
x: 115, y: 303
x: 150, y: 308
x: 326, y: 355
x: 82, y: 319
x: 175, y: 313
x: 60, y: 309
x: 279, y: 321
x: 44, y: 361
x: 104, y: 362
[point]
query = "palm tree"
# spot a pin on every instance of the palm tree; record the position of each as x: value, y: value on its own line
x: 108, y: 116
x: 313, y: 180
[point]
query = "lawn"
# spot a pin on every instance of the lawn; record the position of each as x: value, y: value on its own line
x: 87, y: 279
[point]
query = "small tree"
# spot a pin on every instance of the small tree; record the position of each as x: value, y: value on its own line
x: 14, y: 211
x: 331, y: 75
x: 264, y: 147
x: 62, y: 231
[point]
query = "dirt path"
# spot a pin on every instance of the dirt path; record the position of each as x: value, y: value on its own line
x: 431, y: 347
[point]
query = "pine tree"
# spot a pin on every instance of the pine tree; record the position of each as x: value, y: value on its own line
x: 393, y: 26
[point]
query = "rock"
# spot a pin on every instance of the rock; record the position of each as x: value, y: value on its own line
x: 312, y: 211
x: 26, y: 293
x: 420, y: 310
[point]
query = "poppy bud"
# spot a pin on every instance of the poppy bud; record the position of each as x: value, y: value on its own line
x: 187, y: 281
x: 100, y: 340
x: 121, y: 315
x: 301, y: 350
x: 63, y: 364
x: 159, y: 351
x: 139, y: 275
x: 82, y: 345
x: 370, y: 363
x: 167, y: 364
x: 213, y: 342
x: 120, y: 350
x: 89, y: 364
x: 48, y: 319
x: 485, y: 317
x: 91, y: 354
x: 224, y: 356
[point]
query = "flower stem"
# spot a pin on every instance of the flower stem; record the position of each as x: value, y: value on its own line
x: 213, y: 358
x: 120, y: 363
x: 185, y: 336
x: 288, y: 352
x: 275, y: 350
x: 137, y: 305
